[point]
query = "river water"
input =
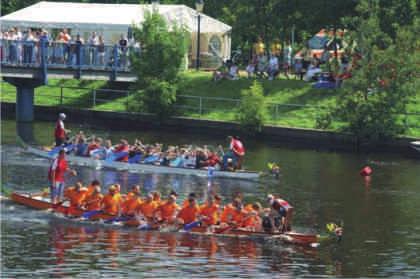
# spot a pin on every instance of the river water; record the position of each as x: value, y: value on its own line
x: 381, y: 217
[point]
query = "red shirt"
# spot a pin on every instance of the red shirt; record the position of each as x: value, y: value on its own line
x: 59, y: 132
x: 59, y: 167
x: 237, y: 147
x: 122, y: 148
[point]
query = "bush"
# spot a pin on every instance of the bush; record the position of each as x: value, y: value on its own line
x: 158, y: 97
x: 163, y: 51
x: 252, y: 111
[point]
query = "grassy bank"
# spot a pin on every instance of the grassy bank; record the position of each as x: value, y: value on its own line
x: 298, y: 103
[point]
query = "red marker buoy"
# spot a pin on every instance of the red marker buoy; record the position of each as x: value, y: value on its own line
x: 366, y: 171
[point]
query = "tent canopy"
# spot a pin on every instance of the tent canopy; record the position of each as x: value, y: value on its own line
x: 106, y: 16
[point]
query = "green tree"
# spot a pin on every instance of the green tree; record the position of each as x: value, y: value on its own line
x: 251, y: 113
x: 163, y: 50
x: 384, y: 77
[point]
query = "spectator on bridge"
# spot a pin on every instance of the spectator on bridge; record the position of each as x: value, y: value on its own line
x: 93, y: 44
x: 12, y: 47
x: 101, y: 51
x: 28, y: 47
x: 58, y: 49
x: 123, y: 51
x: 66, y: 47
x: 78, y: 49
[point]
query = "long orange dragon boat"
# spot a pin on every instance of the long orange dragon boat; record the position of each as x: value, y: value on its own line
x: 38, y: 201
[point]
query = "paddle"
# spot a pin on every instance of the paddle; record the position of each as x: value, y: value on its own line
x: 192, y: 225
x: 90, y: 214
x: 118, y: 219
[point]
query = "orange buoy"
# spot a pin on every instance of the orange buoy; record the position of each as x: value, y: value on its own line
x: 366, y: 171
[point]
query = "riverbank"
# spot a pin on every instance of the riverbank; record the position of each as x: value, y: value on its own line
x: 293, y: 103
x: 297, y: 137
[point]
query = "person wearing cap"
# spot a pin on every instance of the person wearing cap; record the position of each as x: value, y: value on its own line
x: 56, y: 173
x: 280, y: 210
x: 111, y: 203
x: 166, y: 212
x: 60, y: 133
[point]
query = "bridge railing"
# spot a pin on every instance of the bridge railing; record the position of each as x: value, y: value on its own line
x: 27, y: 53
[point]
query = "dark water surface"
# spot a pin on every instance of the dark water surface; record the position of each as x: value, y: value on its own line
x: 381, y: 218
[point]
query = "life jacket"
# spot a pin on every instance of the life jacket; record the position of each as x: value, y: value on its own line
x: 60, y: 168
x: 278, y: 203
x: 237, y: 147
x: 59, y: 132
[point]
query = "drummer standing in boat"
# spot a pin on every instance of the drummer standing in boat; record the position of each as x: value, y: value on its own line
x: 60, y: 133
x: 238, y: 150
x: 56, y: 173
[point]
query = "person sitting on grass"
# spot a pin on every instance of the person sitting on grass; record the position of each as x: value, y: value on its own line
x: 233, y: 72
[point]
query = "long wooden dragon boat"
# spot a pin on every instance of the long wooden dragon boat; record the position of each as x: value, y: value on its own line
x: 37, y: 201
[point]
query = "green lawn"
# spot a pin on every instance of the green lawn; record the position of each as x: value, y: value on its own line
x: 289, y: 94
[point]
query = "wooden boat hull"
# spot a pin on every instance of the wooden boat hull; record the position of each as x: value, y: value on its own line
x: 145, y: 168
x: 36, y: 201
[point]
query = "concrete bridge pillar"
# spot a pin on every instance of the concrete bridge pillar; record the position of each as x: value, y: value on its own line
x: 24, y: 97
x: 24, y: 103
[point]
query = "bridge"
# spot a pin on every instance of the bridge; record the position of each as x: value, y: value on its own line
x: 29, y: 64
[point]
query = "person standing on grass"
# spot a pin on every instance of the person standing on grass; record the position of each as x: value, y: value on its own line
x: 56, y: 173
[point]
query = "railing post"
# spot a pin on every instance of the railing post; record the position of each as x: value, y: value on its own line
x: 78, y: 59
x: 61, y: 96
x: 201, y: 106
x: 94, y: 98
x: 126, y: 100
x: 44, y: 52
x: 113, y: 76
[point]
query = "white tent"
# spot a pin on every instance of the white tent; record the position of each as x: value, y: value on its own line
x: 112, y: 20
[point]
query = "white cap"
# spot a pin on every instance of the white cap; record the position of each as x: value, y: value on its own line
x: 270, y: 198
x: 62, y: 116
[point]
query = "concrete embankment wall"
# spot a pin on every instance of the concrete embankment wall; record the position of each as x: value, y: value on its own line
x: 270, y: 134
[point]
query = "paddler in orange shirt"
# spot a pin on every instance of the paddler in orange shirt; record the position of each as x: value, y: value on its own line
x: 147, y: 208
x: 253, y: 220
x: 233, y: 214
x: 94, y: 200
x: 209, y: 212
x: 132, y: 201
x: 189, y: 214
x: 166, y: 212
x: 92, y: 186
x: 76, y: 196
x: 157, y: 198
x: 111, y: 203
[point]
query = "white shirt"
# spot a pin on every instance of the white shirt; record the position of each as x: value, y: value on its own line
x: 274, y: 62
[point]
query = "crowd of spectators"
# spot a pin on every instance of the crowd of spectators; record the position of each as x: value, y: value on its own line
x: 24, y: 48
x: 269, y: 66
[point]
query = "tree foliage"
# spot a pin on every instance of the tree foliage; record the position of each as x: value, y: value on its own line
x: 386, y: 75
x: 252, y: 110
x: 163, y: 50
